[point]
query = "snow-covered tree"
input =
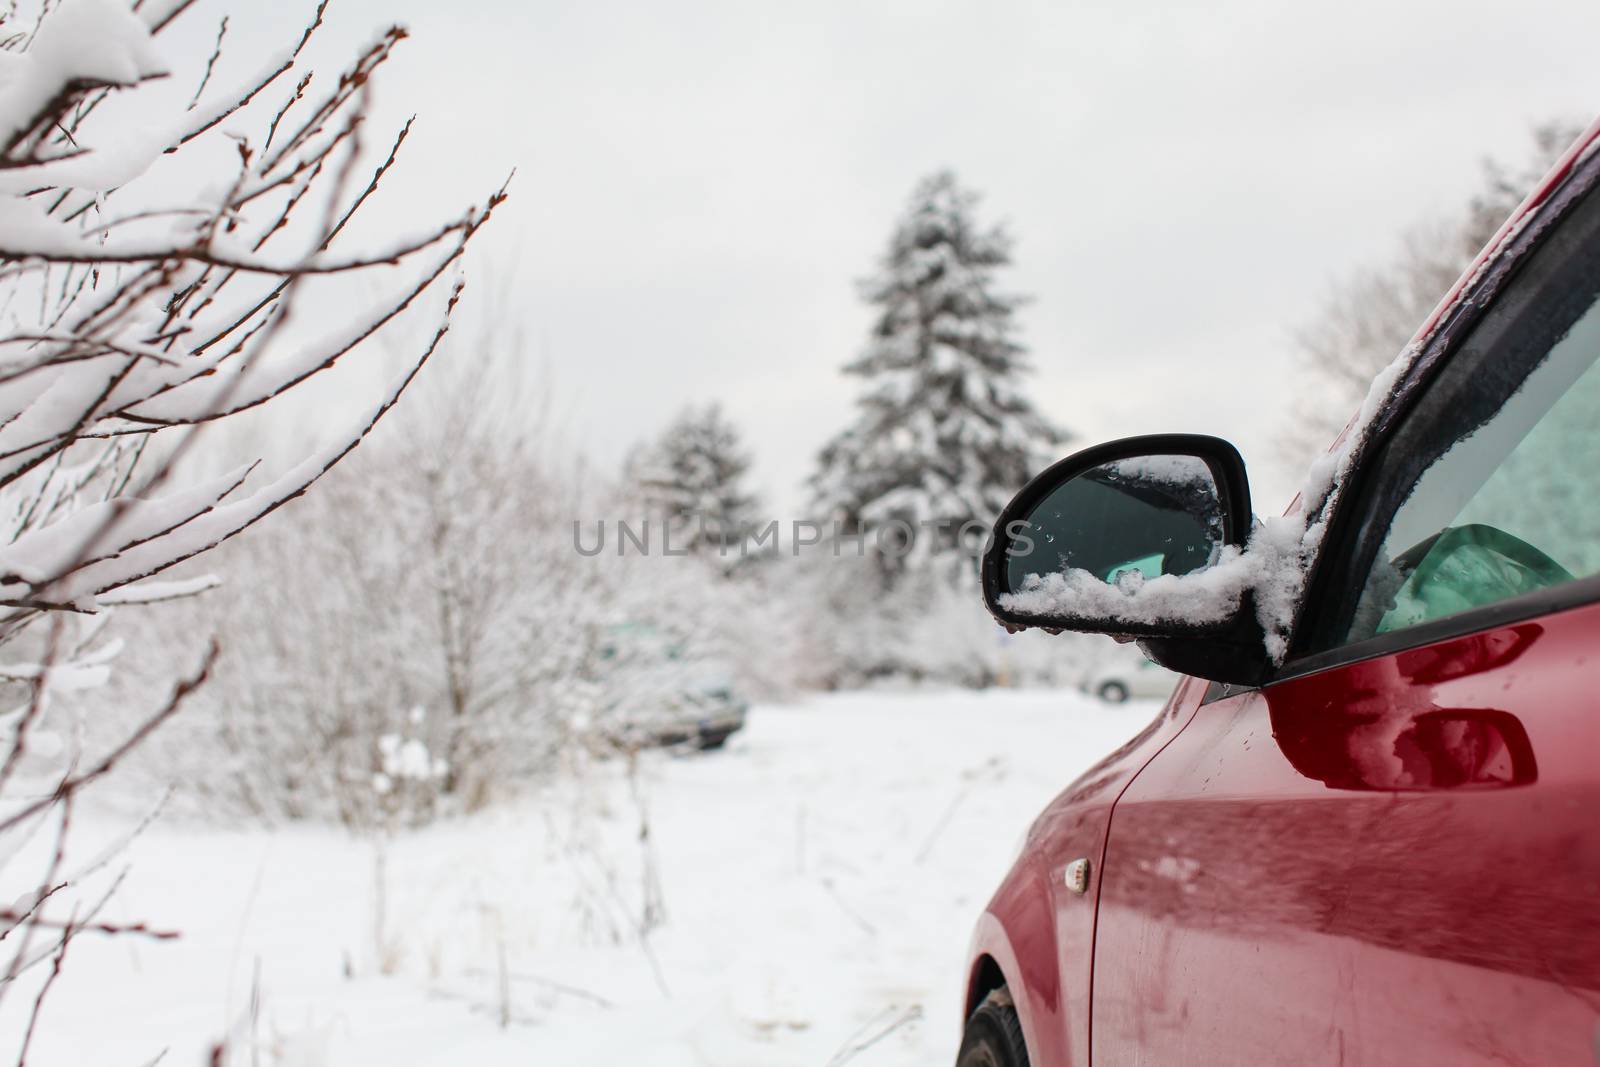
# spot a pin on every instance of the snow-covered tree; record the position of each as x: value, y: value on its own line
x: 693, y: 478
x: 1368, y: 317
x: 443, y: 606
x: 438, y: 606
x: 943, y: 433
x: 157, y: 223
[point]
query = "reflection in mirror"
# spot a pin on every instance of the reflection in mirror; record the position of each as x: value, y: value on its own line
x: 1123, y: 522
x: 1439, y: 748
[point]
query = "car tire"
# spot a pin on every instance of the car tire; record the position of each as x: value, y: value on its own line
x: 712, y: 740
x: 993, y: 1037
x: 1113, y: 693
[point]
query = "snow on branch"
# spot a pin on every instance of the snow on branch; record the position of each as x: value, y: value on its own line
x: 162, y: 328
x: 160, y: 215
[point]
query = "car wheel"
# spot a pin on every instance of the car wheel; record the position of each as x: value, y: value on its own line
x: 993, y: 1036
x: 1113, y: 693
x: 712, y: 740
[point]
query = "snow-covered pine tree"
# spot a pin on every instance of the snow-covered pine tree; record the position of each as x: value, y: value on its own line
x: 943, y: 435
x: 693, y: 477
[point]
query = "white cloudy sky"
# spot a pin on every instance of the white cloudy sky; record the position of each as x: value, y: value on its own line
x: 700, y: 182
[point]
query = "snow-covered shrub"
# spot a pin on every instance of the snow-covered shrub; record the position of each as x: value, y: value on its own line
x: 157, y: 223
x: 855, y: 630
x: 405, y: 783
x: 955, y: 641
x: 431, y: 596
x: 428, y: 593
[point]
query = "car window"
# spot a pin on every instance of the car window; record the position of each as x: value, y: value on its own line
x: 1490, y: 488
x: 1510, y: 509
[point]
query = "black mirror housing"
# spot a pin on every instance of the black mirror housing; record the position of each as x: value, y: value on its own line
x: 1082, y: 537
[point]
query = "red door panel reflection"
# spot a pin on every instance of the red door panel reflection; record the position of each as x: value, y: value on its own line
x: 1391, y: 862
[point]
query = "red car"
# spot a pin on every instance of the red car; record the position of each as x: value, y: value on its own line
x: 1365, y: 829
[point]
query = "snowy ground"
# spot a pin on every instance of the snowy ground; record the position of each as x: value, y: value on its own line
x: 814, y: 887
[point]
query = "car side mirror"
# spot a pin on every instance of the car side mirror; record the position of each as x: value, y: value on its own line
x: 1138, y: 538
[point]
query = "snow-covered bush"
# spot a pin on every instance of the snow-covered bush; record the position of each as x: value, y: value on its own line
x: 853, y: 631
x: 157, y: 224
x: 431, y: 597
x: 428, y: 593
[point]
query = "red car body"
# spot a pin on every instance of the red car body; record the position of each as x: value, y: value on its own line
x: 1260, y: 894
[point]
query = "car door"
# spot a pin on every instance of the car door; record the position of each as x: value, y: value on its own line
x: 1390, y: 854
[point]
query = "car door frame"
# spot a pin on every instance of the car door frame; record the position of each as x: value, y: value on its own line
x: 1350, y: 507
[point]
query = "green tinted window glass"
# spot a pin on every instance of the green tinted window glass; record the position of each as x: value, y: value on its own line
x: 1509, y: 508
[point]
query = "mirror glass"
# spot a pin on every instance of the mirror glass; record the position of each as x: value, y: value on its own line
x: 1152, y: 515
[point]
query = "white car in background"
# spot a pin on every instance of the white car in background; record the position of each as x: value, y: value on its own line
x: 1116, y: 683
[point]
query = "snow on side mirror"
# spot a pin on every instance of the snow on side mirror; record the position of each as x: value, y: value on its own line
x: 1141, y: 537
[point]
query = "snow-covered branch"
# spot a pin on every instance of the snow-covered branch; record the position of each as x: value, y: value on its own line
x: 157, y: 224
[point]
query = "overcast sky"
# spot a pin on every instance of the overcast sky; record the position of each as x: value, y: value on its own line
x: 700, y: 183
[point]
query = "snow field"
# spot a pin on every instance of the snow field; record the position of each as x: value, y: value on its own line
x: 808, y: 890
